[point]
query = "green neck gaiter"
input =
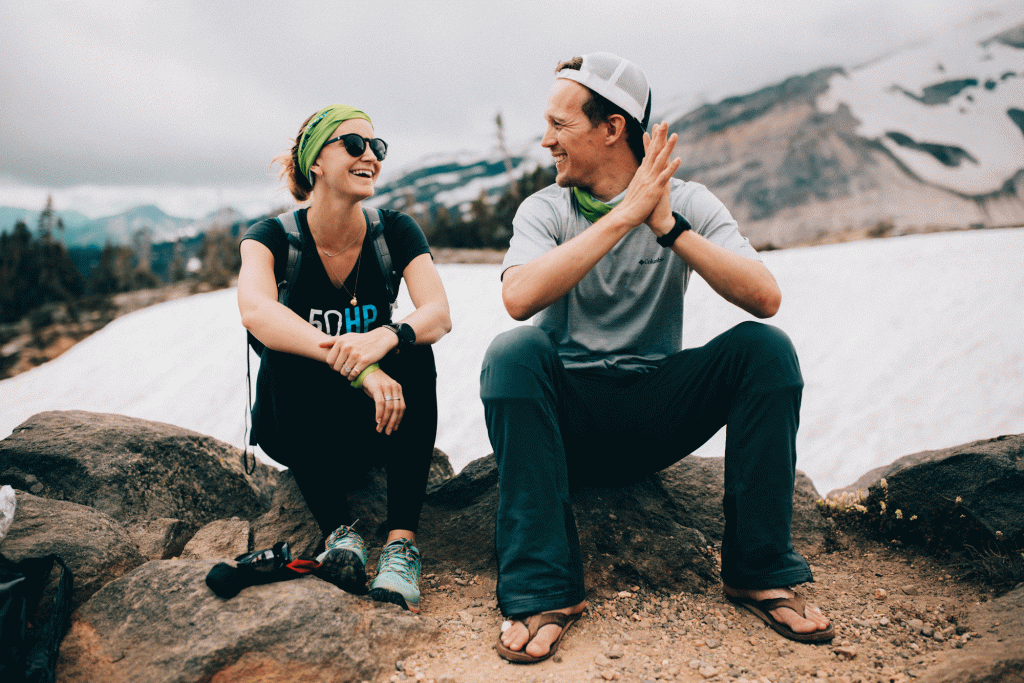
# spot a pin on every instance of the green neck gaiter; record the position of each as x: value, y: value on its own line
x: 591, y: 208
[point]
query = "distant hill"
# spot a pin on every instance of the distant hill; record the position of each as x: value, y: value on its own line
x: 82, y: 231
x: 10, y: 215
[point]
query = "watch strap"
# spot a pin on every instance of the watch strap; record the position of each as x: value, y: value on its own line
x: 681, y: 226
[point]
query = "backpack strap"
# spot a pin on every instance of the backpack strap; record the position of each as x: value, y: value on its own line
x: 380, y: 248
x: 289, y: 221
x: 290, y: 224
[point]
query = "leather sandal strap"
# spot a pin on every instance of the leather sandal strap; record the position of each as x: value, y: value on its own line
x: 795, y: 603
x: 539, y: 621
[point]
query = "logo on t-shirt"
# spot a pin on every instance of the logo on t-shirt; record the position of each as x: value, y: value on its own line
x: 651, y: 261
x: 352, y: 319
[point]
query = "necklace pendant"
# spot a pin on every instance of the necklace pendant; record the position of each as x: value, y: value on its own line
x: 354, y: 302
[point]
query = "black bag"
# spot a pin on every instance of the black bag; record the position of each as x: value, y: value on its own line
x: 28, y: 653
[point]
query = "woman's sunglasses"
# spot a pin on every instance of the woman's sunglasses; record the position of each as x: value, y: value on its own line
x: 355, y: 145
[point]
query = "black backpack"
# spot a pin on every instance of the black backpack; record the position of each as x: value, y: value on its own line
x: 374, y: 229
x: 29, y: 655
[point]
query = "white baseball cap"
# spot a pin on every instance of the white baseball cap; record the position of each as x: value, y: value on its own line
x: 618, y: 80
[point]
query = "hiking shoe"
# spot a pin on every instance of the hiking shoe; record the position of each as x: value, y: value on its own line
x: 343, y: 563
x: 398, y: 575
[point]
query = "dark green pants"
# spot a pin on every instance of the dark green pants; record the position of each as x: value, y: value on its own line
x: 554, y: 430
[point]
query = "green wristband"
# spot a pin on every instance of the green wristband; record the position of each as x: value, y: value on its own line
x: 358, y: 381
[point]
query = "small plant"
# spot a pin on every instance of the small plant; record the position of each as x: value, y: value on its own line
x: 996, y: 566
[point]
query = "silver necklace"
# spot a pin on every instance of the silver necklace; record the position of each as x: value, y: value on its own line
x: 340, y: 251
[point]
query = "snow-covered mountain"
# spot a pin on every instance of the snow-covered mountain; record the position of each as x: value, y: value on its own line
x: 456, y: 180
x: 951, y: 110
x: 905, y: 344
x: 927, y: 137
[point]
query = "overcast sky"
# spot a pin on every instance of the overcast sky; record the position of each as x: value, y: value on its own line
x: 108, y: 104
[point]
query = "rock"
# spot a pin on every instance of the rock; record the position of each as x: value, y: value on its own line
x: 159, y: 539
x: 95, y: 546
x: 909, y: 590
x: 696, y: 486
x: 133, y: 470
x: 648, y: 543
x: 440, y: 471
x: 881, y: 594
x: 845, y: 651
x: 652, y: 531
x: 990, y: 659
x: 651, y: 536
x: 457, y: 523
x: 288, y: 519
x: 162, y: 623
x: 708, y: 671
x: 973, y: 492
x: 224, y: 539
x: 601, y: 660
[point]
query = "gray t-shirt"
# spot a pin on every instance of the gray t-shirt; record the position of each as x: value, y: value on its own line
x: 627, y: 312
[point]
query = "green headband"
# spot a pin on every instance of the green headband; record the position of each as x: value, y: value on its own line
x: 319, y: 129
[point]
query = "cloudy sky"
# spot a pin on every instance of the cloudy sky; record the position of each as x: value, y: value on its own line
x: 109, y: 104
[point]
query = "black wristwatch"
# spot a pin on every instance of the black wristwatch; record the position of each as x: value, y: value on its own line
x: 406, y: 335
x: 669, y: 238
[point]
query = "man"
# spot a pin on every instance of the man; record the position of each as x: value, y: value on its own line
x: 602, y: 258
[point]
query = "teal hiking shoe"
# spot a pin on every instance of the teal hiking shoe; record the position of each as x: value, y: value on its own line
x: 398, y: 575
x: 343, y: 563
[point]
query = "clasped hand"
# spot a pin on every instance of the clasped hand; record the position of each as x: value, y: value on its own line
x: 352, y: 353
x: 647, y: 197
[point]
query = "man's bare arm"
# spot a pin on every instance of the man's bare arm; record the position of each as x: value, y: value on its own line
x: 737, y: 279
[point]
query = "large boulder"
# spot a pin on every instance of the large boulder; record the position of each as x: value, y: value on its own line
x: 162, y: 623
x: 133, y: 470
x: 973, y: 493
x: 95, y: 546
x: 160, y: 539
x: 655, y: 532
x: 696, y: 487
x: 288, y: 518
x: 224, y: 539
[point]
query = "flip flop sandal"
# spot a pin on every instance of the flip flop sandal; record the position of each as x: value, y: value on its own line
x: 762, y: 609
x: 533, y: 625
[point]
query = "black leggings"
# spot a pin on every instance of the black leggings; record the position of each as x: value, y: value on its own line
x: 329, y: 454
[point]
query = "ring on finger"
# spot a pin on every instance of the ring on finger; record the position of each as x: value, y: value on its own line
x: 346, y: 368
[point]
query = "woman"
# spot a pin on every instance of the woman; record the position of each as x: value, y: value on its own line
x: 341, y: 388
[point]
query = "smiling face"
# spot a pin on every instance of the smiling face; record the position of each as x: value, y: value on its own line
x: 338, y: 171
x: 576, y: 144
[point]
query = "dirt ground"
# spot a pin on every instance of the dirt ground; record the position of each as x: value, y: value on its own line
x: 896, y: 612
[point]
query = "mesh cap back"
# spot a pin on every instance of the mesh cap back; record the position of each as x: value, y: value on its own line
x: 616, y: 79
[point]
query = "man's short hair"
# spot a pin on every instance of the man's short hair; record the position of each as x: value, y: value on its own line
x: 599, y: 108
